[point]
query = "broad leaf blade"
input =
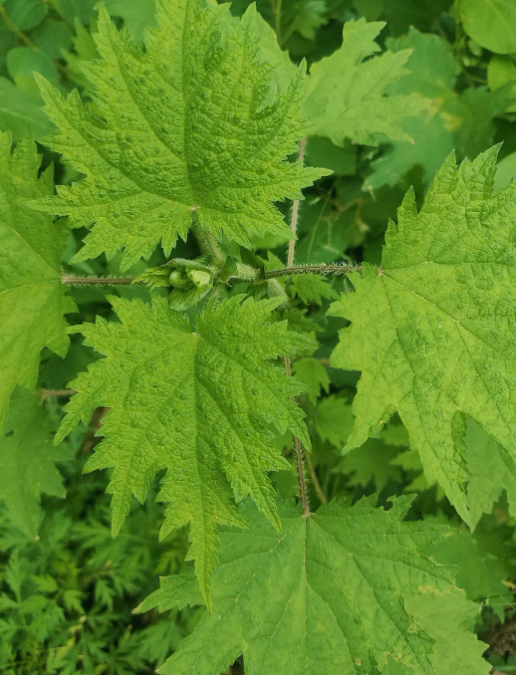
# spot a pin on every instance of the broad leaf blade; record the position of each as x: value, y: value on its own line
x: 27, y: 466
x: 193, y: 403
x: 326, y: 596
x: 32, y: 297
x: 432, y: 330
x: 186, y: 135
x: 346, y: 93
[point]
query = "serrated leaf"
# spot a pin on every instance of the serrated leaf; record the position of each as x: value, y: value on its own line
x: 338, y: 607
x: 20, y: 110
x: 491, y: 471
x: 27, y: 461
x: 314, y: 375
x: 454, y: 120
x: 432, y: 330
x: 195, y: 404
x: 372, y: 463
x: 32, y: 298
x: 346, y: 92
x: 168, y: 150
x: 334, y: 420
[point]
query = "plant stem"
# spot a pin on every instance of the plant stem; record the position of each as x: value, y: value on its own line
x: 295, y: 213
x: 298, y: 450
x: 14, y: 29
x: 97, y: 281
x: 49, y: 393
x: 207, y: 243
x: 333, y: 268
x: 315, y: 480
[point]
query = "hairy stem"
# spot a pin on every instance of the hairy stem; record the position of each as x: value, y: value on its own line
x: 298, y: 450
x: 72, y: 280
x: 207, y: 243
x: 333, y: 268
x: 295, y: 213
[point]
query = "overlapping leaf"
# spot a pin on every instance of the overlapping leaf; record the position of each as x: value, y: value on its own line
x: 433, y: 329
x: 32, y: 297
x: 195, y: 404
x: 27, y: 466
x: 346, y: 91
x: 329, y: 595
x: 187, y: 134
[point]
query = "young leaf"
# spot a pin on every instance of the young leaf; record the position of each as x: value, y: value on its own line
x: 346, y: 93
x: 326, y: 596
x: 194, y: 403
x: 433, y: 329
x: 32, y: 297
x: 185, y: 134
x: 27, y: 466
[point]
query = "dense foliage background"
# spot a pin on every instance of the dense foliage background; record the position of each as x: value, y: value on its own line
x: 67, y: 588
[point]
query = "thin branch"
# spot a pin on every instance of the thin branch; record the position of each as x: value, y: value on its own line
x: 49, y: 393
x: 322, y: 268
x: 14, y: 29
x: 315, y: 480
x: 72, y: 280
x: 295, y: 213
x: 298, y: 450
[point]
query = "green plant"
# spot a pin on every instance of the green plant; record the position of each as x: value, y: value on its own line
x: 310, y: 520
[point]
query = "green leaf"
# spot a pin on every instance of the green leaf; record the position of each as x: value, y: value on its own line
x: 314, y: 375
x: 432, y: 328
x: 501, y: 71
x: 25, y: 14
x: 346, y: 94
x: 372, y: 463
x: 453, y: 120
x: 32, y: 298
x: 334, y: 420
x: 138, y: 15
x: 491, y: 472
x: 483, y: 560
x: 25, y: 60
x: 491, y: 23
x: 20, y: 111
x: 167, y: 150
x: 194, y: 403
x: 311, y: 288
x: 328, y: 596
x: 27, y: 466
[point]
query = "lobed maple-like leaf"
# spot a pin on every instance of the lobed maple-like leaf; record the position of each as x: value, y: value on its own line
x: 195, y: 404
x: 333, y: 594
x: 32, y: 298
x: 27, y: 460
x: 433, y: 329
x: 346, y: 92
x: 185, y: 133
